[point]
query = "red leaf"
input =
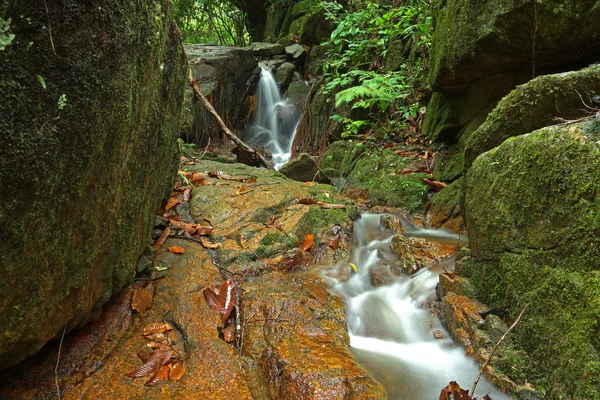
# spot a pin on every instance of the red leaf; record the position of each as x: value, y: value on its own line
x: 212, y: 299
x: 157, y: 360
x: 227, y: 298
x: 162, y: 373
x: 454, y: 392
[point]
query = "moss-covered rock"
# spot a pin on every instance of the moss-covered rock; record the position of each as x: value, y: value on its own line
x: 535, y: 105
x: 476, y: 38
x: 533, y: 216
x: 445, y: 208
x: 88, y: 129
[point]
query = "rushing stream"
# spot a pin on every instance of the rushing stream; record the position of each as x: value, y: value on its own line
x: 392, y: 331
x: 276, y: 120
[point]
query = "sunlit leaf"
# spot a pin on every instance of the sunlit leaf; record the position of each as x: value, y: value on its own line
x: 176, y: 249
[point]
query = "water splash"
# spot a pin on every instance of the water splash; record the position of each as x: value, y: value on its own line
x: 391, y: 328
x: 276, y: 120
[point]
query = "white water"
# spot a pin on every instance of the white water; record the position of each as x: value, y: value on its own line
x: 391, y: 329
x: 276, y: 120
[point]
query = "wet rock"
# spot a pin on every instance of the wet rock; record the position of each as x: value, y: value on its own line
x: 297, y: 92
x: 262, y: 49
x: 83, y: 122
x: 229, y: 75
x: 535, y: 241
x: 304, y: 169
x: 445, y: 208
x: 284, y: 75
x: 297, y: 52
x: 414, y: 253
x: 302, y: 345
x: 381, y: 275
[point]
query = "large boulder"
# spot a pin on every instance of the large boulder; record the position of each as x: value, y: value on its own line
x: 91, y: 98
x: 534, y: 105
x: 227, y: 76
x: 532, y: 212
x: 484, y: 49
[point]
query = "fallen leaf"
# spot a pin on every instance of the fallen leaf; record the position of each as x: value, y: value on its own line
x: 176, y: 250
x: 156, y: 327
x: 193, y: 229
x: 334, y: 242
x: 141, y: 300
x: 229, y: 333
x: 310, y: 183
x: 307, y: 201
x: 436, y: 185
x: 144, y: 356
x: 176, y: 371
x: 163, y: 373
x: 222, y: 299
x: 241, y: 190
x: 161, y: 239
x: 308, y: 242
x: 454, y: 392
x: 187, y: 193
x: 173, y: 201
x: 155, y: 336
x: 153, y: 365
x: 211, y: 296
x: 208, y: 244
x: 325, y: 205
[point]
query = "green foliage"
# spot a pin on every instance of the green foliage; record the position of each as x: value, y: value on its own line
x: 356, y: 51
x: 6, y: 37
x: 211, y: 21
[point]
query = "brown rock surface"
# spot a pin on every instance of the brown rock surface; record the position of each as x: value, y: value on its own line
x: 294, y: 341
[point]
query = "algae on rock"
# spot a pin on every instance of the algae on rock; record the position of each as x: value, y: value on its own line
x: 80, y: 182
x: 533, y: 215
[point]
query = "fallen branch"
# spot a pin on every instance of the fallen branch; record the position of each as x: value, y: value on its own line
x: 494, y: 349
x: 252, y: 154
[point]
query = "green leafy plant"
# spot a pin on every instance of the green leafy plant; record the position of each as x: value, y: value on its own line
x: 355, y: 72
x: 6, y: 37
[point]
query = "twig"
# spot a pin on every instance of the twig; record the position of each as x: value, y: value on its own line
x: 243, y: 146
x: 494, y: 349
x: 50, y: 34
x: 58, y: 361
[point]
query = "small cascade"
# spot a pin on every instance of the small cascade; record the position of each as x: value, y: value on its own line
x: 391, y: 328
x: 275, y: 122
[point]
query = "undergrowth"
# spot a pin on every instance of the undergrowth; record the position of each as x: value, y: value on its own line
x: 355, y: 73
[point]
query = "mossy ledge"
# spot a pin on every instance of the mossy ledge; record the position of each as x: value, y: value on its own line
x: 88, y: 129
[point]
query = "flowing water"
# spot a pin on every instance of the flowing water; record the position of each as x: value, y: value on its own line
x: 276, y: 120
x: 391, y: 328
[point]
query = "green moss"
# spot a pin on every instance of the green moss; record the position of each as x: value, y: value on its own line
x: 85, y: 179
x: 534, y: 228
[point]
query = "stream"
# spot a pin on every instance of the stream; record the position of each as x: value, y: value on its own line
x: 391, y: 328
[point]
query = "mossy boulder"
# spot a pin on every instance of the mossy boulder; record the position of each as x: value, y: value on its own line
x: 445, y: 208
x: 534, y: 105
x: 88, y: 129
x: 304, y: 169
x: 476, y: 38
x: 533, y: 216
x: 375, y: 172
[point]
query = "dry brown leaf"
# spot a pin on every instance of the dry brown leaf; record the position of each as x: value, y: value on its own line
x: 308, y: 242
x: 176, y: 371
x: 193, y: 229
x: 163, y: 373
x: 309, y: 183
x: 454, y: 392
x: 161, y: 239
x: 144, y: 356
x: 156, y: 361
x: 325, y: 205
x: 307, y: 201
x: 157, y: 327
x: 187, y: 193
x: 176, y: 250
x: 227, y: 295
x: 436, y: 185
x: 155, y: 336
x: 173, y: 201
x: 229, y: 333
x: 334, y: 242
x: 211, y: 296
x: 241, y: 190
x: 141, y: 300
x: 208, y: 244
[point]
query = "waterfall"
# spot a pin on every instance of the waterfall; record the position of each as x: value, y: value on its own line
x: 275, y: 122
x: 390, y: 326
